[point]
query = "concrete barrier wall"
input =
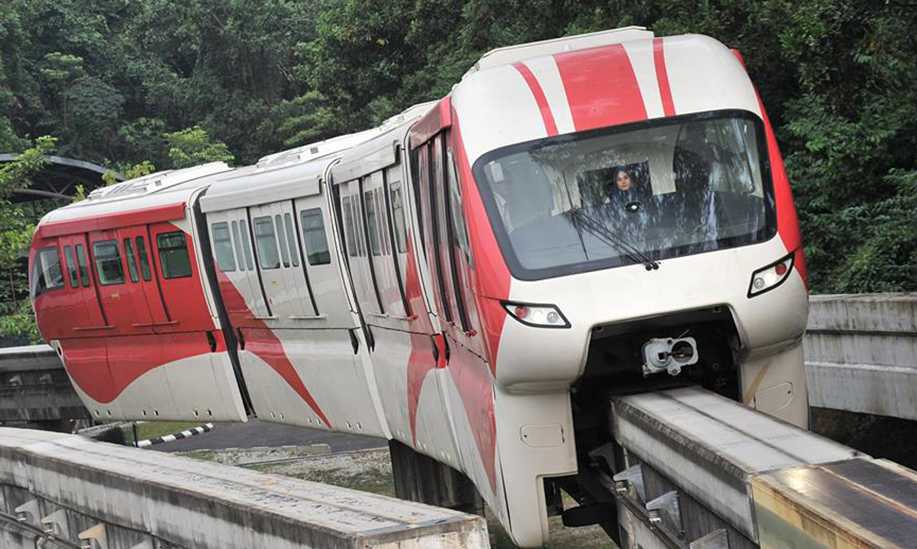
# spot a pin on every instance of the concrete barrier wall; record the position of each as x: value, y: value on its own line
x: 34, y: 388
x: 861, y: 353
x: 143, y: 499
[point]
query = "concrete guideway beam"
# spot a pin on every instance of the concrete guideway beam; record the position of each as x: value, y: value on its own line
x: 761, y: 481
x: 180, y: 502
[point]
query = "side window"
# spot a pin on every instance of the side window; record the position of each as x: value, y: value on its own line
x: 398, y: 217
x: 380, y: 204
x: 71, y: 266
x: 436, y: 202
x: 237, y: 240
x: 144, y: 260
x: 246, y: 245
x: 266, y: 242
x: 173, y: 255
x: 348, y: 227
x: 222, y: 247
x: 457, y: 214
x: 108, y: 262
x: 314, y: 238
x: 291, y: 238
x: 284, y: 250
x: 83, y: 264
x: 47, y: 274
x: 372, y: 222
x: 131, y: 261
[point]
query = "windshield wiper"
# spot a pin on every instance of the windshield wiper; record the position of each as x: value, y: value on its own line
x: 600, y: 231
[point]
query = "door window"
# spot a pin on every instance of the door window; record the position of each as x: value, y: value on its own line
x: 144, y: 260
x: 108, y: 262
x: 222, y: 247
x: 238, y: 244
x: 372, y: 222
x: 349, y: 228
x: 291, y: 238
x: 173, y: 255
x: 83, y: 265
x: 246, y: 245
x: 316, y: 242
x: 131, y: 261
x: 71, y: 266
x: 398, y: 217
x: 284, y: 249
x: 266, y: 241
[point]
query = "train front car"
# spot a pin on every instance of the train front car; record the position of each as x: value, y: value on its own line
x: 633, y: 228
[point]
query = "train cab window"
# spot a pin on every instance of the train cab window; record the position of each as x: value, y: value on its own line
x: 173, y: 255
x: 108, y: 262
x: 266, y: 242
x: 222, y: 247
x: 291, y: 238
x: 246, y: 245
x: 131, y: 260
x: 348, y: 227
x: 284, y: 249
x: 83, y: 265
x: 237, y: 240
x: 398, y: 217
x: 47, y: 274
x: 372, y: 222
x: 314, y: 238
x: 144, y: 260
x: 71, y: 266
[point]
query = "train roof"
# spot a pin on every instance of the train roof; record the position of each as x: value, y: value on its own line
x: 297, y: 172
x: 150, y: 191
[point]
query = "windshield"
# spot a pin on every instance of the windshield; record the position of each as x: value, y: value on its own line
x: 601, y: 199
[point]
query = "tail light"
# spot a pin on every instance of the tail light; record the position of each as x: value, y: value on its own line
x: 768, y: 278
x: 540, y: 316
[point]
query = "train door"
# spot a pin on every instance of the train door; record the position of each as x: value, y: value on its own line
x: 134, y: 243
x: 180, y: 283
x: 240, y: 282
x: 88, y: 318
x: 281, y: 268
x: 358, y: 247
x: 123, y: 303
x: 377, y: 223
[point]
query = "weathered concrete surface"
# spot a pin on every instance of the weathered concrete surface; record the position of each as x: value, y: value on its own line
x: 861, y: 353
x: 35, y: 388
x: 144, y: 496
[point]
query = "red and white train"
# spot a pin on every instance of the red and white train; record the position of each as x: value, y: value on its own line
x: 579, y: 217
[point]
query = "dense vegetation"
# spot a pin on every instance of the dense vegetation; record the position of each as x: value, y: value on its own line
x: 171, y: 83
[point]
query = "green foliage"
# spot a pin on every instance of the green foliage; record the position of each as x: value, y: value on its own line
x: 194, y: 146
x: 179, y: 83
x: 17, y: 223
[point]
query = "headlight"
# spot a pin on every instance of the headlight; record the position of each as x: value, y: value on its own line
x: 540, y: 316
x: 770, y: 277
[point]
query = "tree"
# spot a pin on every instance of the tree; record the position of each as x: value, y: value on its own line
x: 194, y: 146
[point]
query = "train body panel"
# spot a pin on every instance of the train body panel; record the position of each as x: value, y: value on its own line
x: 474, y: 278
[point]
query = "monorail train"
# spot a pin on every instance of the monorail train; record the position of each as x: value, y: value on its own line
x: 578, y: 218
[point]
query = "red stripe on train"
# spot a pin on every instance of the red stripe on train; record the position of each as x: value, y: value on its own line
x: 261, y: 342
x: 601, y: 87
x: 546, y: 115
x: 662, y: 76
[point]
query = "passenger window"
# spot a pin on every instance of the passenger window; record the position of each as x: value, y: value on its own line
x: 238, y: 243
x: 246, y: 245
x: 266, y: 242
x: 222, y: 247
x: 47, y: 274
x: 83, y: 264
x: 314, y: 238
x: 459, y: 229
x: 173, y: 255
x: 398, y: 217
x: 284, y: 253
x: 348, y: 227
x: 291, y: 238
x: 383, y: 233
x: 372, y: 223
x: 131, y: 261
x: 71, y: 266
x: 108, y: 262
x: 144, y: 260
